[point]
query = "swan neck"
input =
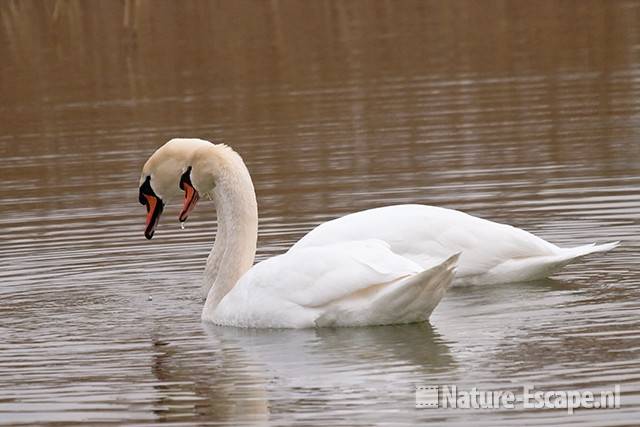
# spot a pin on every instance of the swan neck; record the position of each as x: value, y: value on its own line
x: 235, y: 246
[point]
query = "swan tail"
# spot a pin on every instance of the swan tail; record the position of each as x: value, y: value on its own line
x: 540, y: 267
x: 580, y: 251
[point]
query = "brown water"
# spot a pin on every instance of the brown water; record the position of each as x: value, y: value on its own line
x: 521, y: 112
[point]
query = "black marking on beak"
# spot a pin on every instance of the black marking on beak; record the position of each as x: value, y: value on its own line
x: 154, y: 205
x: 145, y: 189
x: 186, y: 178
x: 191, y: 195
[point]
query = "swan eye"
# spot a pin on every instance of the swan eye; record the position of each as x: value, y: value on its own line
x: 186, y: 178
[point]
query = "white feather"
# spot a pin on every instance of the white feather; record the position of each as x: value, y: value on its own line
x: 491, y: 252
x: 346, y: 284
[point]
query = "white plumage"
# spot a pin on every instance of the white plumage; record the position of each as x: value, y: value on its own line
x: 380, y: 266
x: 490, y: 252
x: 353, y: 283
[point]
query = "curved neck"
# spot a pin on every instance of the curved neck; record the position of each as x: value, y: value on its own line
x: 235, y: 246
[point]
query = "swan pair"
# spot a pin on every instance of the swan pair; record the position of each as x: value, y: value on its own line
x: 375, y: 267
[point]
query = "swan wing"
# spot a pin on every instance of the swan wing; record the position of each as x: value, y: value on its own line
x: 319, y: 275
x: 428, y: 233
x: 491, y: 252
x: 343, y: 284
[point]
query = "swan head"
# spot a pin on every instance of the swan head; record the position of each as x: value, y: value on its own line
x: 165, y: 175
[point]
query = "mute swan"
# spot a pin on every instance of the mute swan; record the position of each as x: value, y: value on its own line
x: 490, y: 252
x: 352, y: 282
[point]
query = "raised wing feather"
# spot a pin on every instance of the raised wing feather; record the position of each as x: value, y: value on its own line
x: 343, y: 284
x: 317, y: 276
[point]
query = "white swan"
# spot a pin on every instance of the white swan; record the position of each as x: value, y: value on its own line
x: 353, y: 282
x: 490, y: 252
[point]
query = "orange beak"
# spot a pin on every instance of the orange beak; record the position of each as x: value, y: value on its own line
x: 154, y: 210
x: 154, y: 206
x: 191, y: 197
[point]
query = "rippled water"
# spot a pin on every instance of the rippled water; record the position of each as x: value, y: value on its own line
x: 527, y: 114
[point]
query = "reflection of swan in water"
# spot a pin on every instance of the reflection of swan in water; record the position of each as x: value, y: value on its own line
x: 251, y: 376
x: 332, y: 360
x: 193, y: 387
